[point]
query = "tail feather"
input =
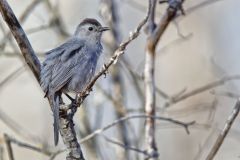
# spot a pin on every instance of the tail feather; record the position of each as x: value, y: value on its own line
x: 56, y: 118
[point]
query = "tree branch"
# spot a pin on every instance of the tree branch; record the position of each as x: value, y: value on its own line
x: 22, y: 19
x: 66, y: 120
x: 169, y: 15
x: 9, y: 147
x: 154, y: 35
x: 125, y: 146
x: 21, y: 38
x: 116, y: 122
x: 225, y: 131
x: 201, y: 89
x: 150, y: 88
x: 113, y: 60
x: 26, y: 145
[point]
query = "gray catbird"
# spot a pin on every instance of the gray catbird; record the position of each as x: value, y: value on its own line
x: 70, y: 67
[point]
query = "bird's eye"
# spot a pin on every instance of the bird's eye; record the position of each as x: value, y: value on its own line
x: 90, y: 28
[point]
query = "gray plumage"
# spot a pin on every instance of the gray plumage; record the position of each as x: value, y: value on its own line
x: 70, y: 67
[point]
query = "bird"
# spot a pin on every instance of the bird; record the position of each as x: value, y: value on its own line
x: 71, y: 66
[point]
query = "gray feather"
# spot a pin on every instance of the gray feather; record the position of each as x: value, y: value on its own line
x: 70, y: 67
x: 56, y: 118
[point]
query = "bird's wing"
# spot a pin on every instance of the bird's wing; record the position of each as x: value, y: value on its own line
x: 57, y: 68
x: 64, y: 68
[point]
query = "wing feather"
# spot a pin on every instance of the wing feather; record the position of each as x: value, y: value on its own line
x: 57, y: 70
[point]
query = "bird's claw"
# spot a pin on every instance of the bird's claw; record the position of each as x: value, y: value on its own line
x: 72, y: 108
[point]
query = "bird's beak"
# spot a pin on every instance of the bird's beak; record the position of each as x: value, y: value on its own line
x: 102, y: 29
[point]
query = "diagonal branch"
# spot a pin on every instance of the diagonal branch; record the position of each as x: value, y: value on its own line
x: 10, y: 139
x: 225, y: 131
x: 9, y: 147
x: 201, y: 89
x: 22, y: 19
x: 113, y: 60
x: 169, y: 15
x: 21, y: 38
x: 66, y: 120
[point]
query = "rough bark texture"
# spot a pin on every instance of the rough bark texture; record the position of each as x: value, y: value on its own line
x: 68, y: 134
x: 224, y: 132
x: 21, y: 38
x: 66, y: 120
x: 155, y: 32
x: 150, y: 94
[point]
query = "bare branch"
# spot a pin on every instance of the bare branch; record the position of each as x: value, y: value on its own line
x: 22, y: 19
x: 125, y: 147
x: 169, y: 15
x: 68, y: 134
x: 15, y: 73
x: 203, y: 146
x: 109, y: 12
x: 225, y: 131
x: 201, y: 5
x: 150, y: 88
x: 56, y: 20
x: 225, y: 93
x: 21, y: 38
x: 66, y: 120
x: 201, y: 89
x: 19, y: 130
x: 154, y: 35
x: 9, y: 147
x: 26, y: 145
x: 116, y: 122
x: 121, y: 50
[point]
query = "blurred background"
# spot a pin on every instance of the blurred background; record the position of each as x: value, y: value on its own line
x: 196, y: 49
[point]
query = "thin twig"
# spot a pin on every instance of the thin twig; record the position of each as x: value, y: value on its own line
x: 109, y: 12
x: 125, y: 147
x: 201, y: 5
x: 9, y: 147
x: 120, y: 51
x: 99, y: 131
x: 12, y: 75
x: 21, y: 38
x: 201, y: 89
x: 18, y: 129
x: 225, y: 93
x: 224, y: 132
x: 53, y: 156
x: 26, y: 145
x: 56, y: 20
x: 185, y: 125
x: 169, y: 15
x: 204, y: 145
x: 121, y: 109
x: 22, y: 19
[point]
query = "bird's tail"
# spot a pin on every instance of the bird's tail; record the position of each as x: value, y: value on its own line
x: 54, y: 102
x: 56, y: 118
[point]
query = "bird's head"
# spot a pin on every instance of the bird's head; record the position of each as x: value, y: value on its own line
x: 90, y: 30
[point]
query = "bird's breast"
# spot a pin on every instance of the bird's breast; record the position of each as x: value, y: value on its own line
x: 83, y: 73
